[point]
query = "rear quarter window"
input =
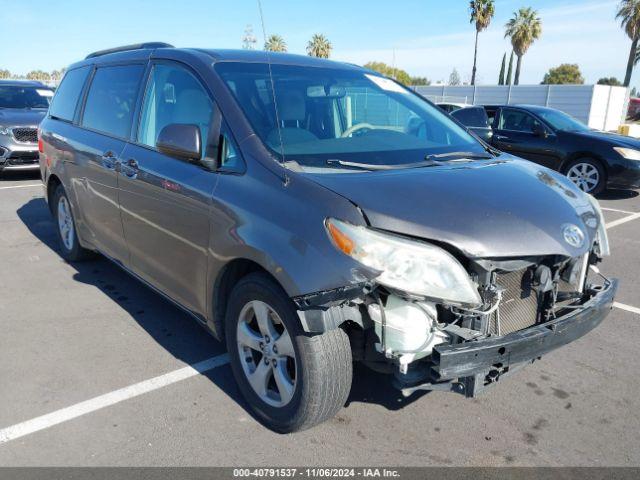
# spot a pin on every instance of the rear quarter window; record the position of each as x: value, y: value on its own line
x: 65, y: 100
x: 111, y: 99
x: 472, y: 117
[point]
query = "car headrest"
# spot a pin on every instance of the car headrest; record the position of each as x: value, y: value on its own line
x: 291, y: 105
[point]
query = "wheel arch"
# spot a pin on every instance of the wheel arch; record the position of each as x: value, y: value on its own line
x: 52, y: 184
x: 227, y: 278
x: 564, y: 168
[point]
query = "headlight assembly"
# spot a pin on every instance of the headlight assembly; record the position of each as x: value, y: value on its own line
x: 628, y: 153
x: 602, y: 240
x: 5, y: 130
x: 410, y: 266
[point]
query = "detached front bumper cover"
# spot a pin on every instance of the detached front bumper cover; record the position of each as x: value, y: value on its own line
x: 480, y: 357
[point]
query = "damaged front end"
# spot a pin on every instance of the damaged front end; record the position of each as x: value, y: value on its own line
x: 442, y: 322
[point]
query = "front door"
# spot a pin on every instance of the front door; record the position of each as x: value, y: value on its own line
x: 106, y: 126
x: 166, y: 202
x: 520, y: 133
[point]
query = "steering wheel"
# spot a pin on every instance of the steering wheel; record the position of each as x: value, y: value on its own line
x: 354, y: 128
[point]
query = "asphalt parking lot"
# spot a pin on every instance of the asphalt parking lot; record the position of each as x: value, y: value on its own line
x: 94, y: 370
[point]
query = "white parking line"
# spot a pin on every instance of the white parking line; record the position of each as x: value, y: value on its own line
x: 69, y: 413
x: 22, y: 186
x: 622, y: 220
x: 607, y: 209
x: 628, y: 308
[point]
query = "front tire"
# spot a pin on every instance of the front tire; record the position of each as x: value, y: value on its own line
x: 70, y: 247
x: 587, y: 174
x: 291, y: 381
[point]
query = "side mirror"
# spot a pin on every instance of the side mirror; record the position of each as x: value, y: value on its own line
x: 181, y: 141
x: 539, y: 131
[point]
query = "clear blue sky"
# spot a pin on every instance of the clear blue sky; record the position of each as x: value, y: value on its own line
x: 430, y: 37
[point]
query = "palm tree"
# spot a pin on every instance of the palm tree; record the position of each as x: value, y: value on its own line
x: 524, y: 28
x: 319, y: 46
x: 275, y: 43
x: 501, y: 76
x: 629, y: 16
x: 509, y: 79
x: 482, y: 12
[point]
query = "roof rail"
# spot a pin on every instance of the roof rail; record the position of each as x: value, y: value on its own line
x: 126, y: 48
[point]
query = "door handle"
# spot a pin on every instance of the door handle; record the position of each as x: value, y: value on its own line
x: 109, y: 161
x: 130, y: 168
x: 500, y: 137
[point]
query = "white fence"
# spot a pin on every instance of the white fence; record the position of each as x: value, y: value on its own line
x: 599, y: 106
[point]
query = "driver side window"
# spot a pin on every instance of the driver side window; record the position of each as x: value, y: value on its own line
x: 517, y: 121
x: 173, y: 96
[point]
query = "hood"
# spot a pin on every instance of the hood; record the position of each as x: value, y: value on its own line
x: 14, y: 117
x: 614, y: 138
x: 485, y: 209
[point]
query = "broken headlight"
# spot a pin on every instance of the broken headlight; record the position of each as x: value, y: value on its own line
x: 602, y: 240
x: 409, y: 266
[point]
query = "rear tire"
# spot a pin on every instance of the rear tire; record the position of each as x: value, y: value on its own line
x: 317, y: 369
x: 70, y: 248
x: 588, y: 175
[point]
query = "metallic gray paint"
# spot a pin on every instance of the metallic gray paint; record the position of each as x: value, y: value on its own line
x: 177, y: 225
x: 508, y: 208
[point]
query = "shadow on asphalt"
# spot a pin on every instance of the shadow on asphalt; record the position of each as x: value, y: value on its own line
x: 18, y: 175
x: 617, y: 194
x: 176, y: 331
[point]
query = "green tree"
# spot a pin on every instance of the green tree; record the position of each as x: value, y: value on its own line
x: 388, y: 71
x: 481, y: 12
x: 509, y: 79
x: 567, y: 73
x: 523, y: 29
x: 416, y: 81
x: 4, y: 74
x: 613, y: 81
x: 38, y: 75
x: 502, y: 67
x: 319, y: 46
x: 629, y: 16
x: 275, y: 43
x: 454, y: 78
x: 57, y: 75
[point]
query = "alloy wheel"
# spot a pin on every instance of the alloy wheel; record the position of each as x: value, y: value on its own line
x: 65, y: 223
x: 585, y: 175
x: 266, y: 353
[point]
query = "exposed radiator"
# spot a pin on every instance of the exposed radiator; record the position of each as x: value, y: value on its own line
x: 519, y: 306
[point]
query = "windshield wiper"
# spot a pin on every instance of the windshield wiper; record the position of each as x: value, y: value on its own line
x: 462, y: 156
x: 398, y: 166
x: 430, y: 161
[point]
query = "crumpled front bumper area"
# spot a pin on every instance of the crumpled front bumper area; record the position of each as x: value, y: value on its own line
x: 477, y: 359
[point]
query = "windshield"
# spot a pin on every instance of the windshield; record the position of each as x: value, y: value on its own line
x: 328, y: 118
x: 17, y: 96
x: 562, y: 121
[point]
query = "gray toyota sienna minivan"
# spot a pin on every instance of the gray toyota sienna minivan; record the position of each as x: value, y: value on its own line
x: 314, y: 214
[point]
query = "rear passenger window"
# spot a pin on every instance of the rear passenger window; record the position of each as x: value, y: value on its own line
x: 65, y: 101
x: 111, y: 99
